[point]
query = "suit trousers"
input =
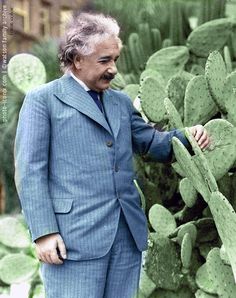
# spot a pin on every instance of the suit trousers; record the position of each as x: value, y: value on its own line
x: 115, y: 275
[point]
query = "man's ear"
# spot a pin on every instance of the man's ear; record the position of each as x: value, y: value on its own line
x: 77, y: 62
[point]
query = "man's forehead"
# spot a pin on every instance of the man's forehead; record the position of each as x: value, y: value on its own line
x: 107, y: 53
x: 107, y: 44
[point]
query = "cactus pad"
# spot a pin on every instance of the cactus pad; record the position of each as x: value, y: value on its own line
x: 26, y: 72
x: 162, y: 261
x: 152, y: 95
x: 26, y: 267
x: 222, y: 153
x: 202, y: 163
x: 176, y: 89
x: 215, y: 72
x: 186, y: 251
x: 153, y: 74
x: 13, y: 233
x: 209, y: 37
x: 225, y: 220
x: 162, y: 221
x: 220, y: 274
x: 199, y: 106
x: 187, y: 228
x: 188, y: 192
x: 189, y: 167
x: 223, y: 255
x: 203, y: 281
x: 183, y: 292
x: 173, y: 115
x: 178, y: 169
x: 169, y: 61
x: 229, y: 97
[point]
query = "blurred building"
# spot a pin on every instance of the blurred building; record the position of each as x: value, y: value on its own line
x: 32, y: 20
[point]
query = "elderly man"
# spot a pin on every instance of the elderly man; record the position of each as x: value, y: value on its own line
x: 74, y: 174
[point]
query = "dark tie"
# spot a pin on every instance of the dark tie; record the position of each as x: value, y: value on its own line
x: 95, y: 97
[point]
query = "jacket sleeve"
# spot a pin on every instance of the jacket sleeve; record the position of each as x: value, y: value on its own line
x: 151, y: 143
x: 31, y: 153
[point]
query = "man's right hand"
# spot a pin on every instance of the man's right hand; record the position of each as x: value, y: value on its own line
x: 47, y: 248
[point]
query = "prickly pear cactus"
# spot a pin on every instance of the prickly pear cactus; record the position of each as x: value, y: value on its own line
x: 26, y: 72
x: 203, y: 280
x: 199, y: 106
x: 186, y: 251
x: 220, y: 275
x: 188, y: 228
x: 173, y: 115
x: 169, y: 61
x: 189, y: 167
x: 13, y: 233
x: 175, y: 89
x: 204, y: 219
x: 152, y: 95
x: 229, y: 97
x: 183, y: 292
x: 209, y: 37
x: 188, y: 192
x: 225, y: 220
x: 162, y: 221
x: 162, y: 260
x: 26, y: 268
x: 224, y: 256
x: 222, y: 153
x: 202, y: 163
x: 216, y: 73
x: 222, y: 212
x: 153, y: 74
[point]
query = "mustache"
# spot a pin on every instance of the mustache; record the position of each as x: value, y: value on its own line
x: 108, y: 77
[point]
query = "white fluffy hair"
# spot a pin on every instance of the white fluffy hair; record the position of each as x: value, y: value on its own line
x: 82, y: 35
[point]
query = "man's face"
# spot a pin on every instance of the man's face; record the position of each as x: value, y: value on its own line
x: 98, y: 69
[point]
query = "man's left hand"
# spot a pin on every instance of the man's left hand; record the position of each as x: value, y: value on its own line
x: 201, y: 136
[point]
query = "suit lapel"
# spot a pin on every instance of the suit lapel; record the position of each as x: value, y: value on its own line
x: 112, y: 110
x: 71, y: 93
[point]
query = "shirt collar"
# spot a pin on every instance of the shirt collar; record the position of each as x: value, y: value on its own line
x: 86, y: 88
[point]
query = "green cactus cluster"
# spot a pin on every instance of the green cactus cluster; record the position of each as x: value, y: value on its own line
x: 17, y: 251
x: 200, y: 232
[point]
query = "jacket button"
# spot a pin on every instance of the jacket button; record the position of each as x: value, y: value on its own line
x: 109, y: 143
x: 116, y: 169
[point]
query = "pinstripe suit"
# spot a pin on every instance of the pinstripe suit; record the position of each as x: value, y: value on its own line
x: 74, y: 170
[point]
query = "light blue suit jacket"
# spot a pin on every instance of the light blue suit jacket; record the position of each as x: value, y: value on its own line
x: 74, y: 170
